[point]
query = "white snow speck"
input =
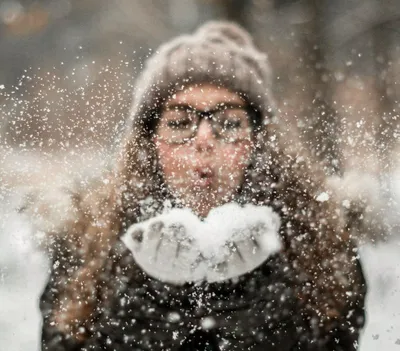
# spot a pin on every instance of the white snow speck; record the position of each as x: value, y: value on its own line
x: 173, y: 317
x: 346, y: 204
x: 208, y: 323
x: 322, y: 197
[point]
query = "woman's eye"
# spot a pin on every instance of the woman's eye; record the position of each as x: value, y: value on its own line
x: 179, y: 124
x: 232, y: 124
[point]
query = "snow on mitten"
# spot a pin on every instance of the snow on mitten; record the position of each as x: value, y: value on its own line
x: 162, y: 247
x: 251, y: 237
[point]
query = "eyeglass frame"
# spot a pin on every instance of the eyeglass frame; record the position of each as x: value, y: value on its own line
x: 207, y: 115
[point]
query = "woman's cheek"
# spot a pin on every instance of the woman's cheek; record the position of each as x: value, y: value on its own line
x: 174, y: 160
x: 235, y: 156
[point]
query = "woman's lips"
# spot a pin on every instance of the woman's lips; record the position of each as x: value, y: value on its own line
x: 204, y: 177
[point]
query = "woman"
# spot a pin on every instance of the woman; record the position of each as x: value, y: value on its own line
x: 213, y: 233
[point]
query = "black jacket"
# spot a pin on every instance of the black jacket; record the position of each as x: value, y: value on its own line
x: 259, y: 311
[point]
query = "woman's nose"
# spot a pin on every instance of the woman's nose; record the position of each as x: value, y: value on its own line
x: 204, y: 140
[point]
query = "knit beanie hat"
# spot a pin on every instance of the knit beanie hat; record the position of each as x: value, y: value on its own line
x: 219, y: 53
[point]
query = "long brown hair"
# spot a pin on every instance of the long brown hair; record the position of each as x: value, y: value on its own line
x: 281, y: 175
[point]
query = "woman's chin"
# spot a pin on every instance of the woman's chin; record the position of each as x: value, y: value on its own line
x: 203, y: 205
x: 201, y: 200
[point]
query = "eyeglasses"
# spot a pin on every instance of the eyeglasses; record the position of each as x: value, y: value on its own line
x: 179, y: 124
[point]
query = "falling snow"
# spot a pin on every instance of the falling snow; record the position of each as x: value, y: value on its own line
x: 62, y: 122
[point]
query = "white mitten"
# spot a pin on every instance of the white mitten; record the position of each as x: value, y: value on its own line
x: 163, y: 248
x: 177, y: 247
x: 247, y: 236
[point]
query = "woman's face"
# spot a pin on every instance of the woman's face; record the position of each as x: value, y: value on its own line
x: 203, y: 156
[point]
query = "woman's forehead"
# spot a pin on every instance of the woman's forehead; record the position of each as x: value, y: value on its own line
x: 204, y: 96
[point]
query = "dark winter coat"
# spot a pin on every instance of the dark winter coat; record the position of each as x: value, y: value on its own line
x: 260, y: 311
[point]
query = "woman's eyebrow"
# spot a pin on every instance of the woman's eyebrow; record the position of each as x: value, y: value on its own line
x: 178, y: 106
x: 229, y: 105
x: 216, y: 107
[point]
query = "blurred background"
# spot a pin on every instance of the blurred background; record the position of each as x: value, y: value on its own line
x: 67, y: 70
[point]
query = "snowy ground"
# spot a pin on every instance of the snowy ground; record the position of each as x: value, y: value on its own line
x: 382, y: 268
x: 23, y: 272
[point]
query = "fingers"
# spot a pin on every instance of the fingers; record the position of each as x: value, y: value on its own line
x: 166, y: 252
x: 137, y: 235
x: 155, y: 229
x: 241, y: 255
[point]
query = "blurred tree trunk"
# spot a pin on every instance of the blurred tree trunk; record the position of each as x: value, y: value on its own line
x: 235, y: 10
x: 386, y: 136
x: 304, y: 94
x: 365, y: 91
x: 353, y: 87
x: 323, y: 132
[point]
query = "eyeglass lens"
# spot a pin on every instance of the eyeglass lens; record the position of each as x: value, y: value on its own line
x: 179, y: 125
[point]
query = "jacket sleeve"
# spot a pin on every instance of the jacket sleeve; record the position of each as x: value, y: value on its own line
x: 345, y: 336
x: 54, y: 339
x: 51, y: 210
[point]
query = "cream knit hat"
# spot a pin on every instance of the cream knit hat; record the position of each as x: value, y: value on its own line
x: 220, y: 53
